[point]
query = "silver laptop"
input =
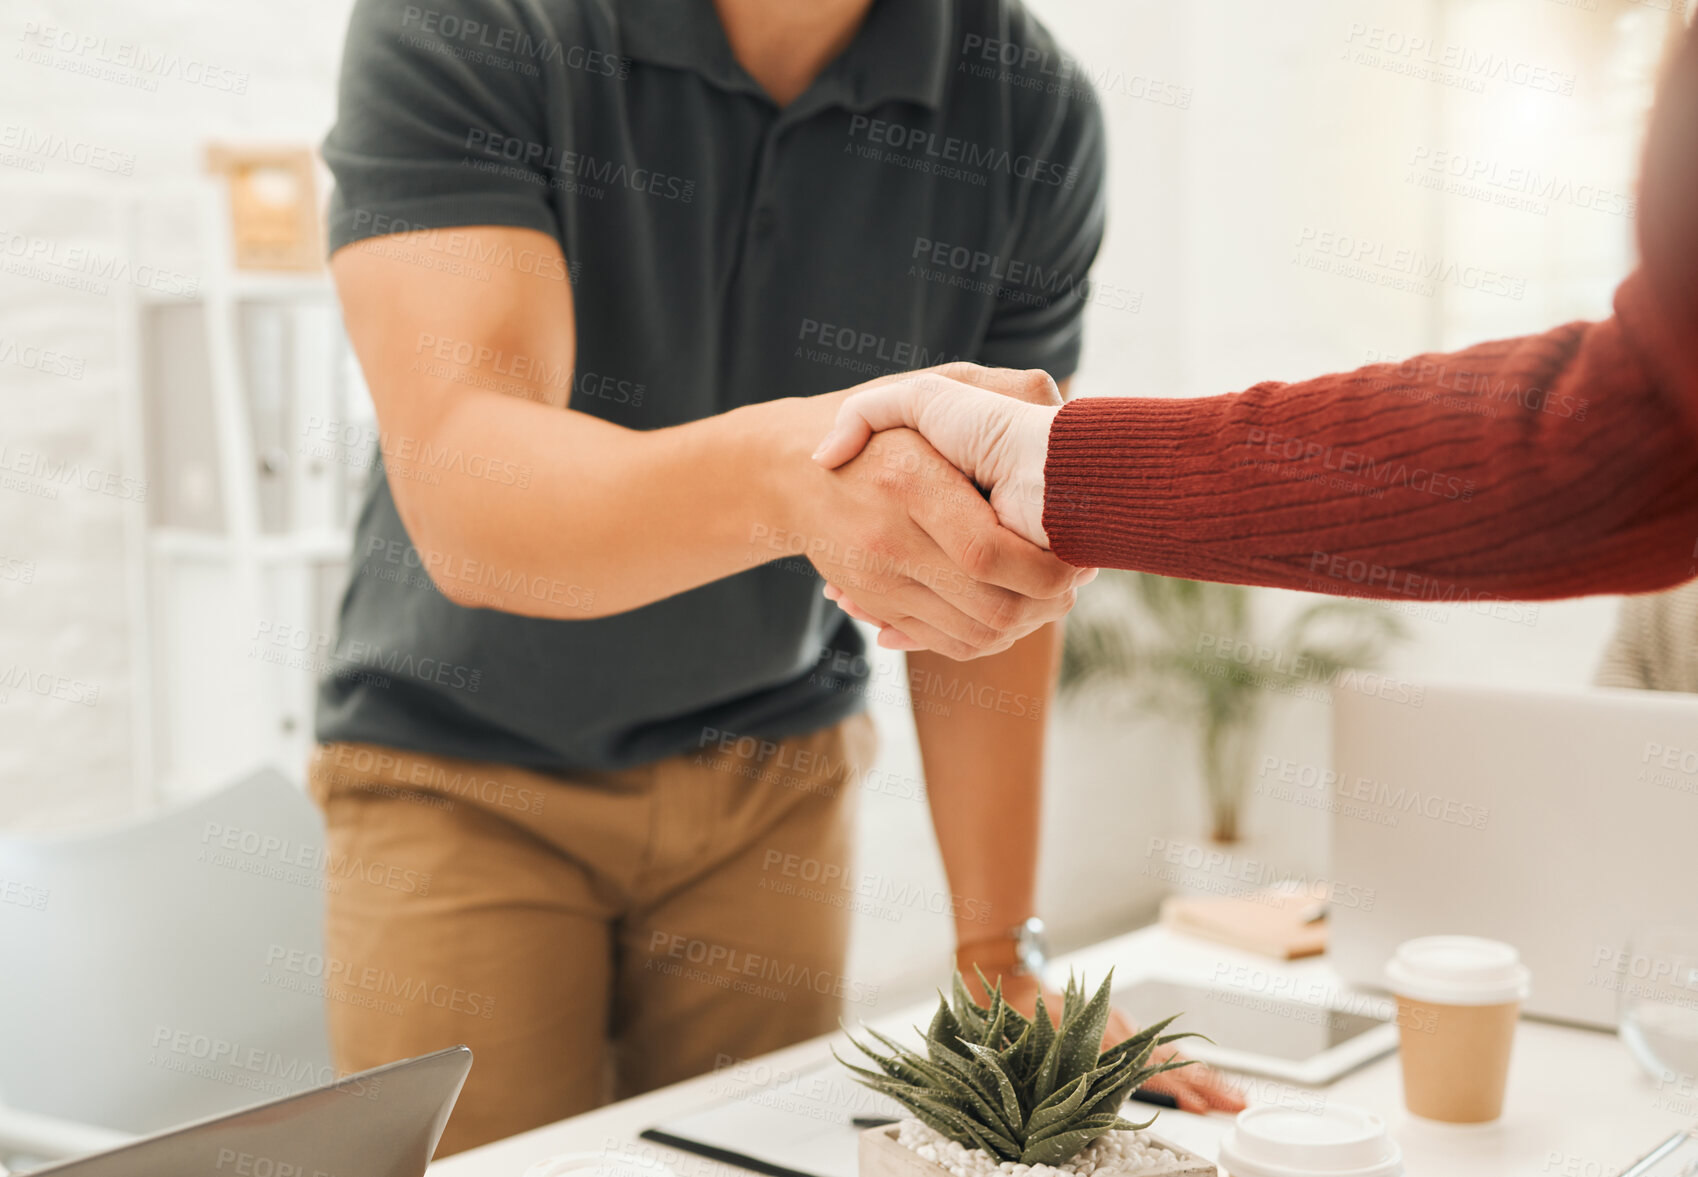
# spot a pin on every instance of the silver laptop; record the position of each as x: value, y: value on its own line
x: 1559, y: 822
x: 379, y: 1123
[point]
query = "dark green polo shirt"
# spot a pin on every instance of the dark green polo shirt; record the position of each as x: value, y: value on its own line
x: 935, y: 195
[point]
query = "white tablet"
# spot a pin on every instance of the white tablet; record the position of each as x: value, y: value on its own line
x: 1258, y: 1033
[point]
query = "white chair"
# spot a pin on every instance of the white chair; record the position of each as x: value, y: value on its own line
x: 161, y: 971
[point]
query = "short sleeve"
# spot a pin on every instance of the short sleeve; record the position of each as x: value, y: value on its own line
x: 440, y: 120
x: 1040, y: 324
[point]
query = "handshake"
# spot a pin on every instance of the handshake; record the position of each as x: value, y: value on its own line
x: 960, y: 575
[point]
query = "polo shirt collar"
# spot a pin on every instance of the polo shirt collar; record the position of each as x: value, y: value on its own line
x: 900, y: 53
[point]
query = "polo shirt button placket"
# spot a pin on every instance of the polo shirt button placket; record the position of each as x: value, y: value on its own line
x: 765, y: 218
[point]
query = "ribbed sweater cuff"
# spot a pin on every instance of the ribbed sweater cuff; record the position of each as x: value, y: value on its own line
x: 1108, y: 477
x: 1662, y: 339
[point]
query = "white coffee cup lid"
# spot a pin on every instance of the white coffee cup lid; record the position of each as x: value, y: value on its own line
x: 1458, y: 970
x: 1338, y: 1141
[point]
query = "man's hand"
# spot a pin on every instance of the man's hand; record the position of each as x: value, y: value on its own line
x: 991, y: 423
x: 1196, y: 1088
x: 903, y: 531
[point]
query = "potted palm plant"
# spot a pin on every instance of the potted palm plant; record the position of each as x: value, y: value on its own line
x: 1191, y: 649
x: 997, y: 1094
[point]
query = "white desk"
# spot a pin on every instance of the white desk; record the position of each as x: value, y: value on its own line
x: 1577, y: 1106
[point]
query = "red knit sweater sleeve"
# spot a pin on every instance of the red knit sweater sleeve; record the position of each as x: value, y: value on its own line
x: 1545, y: 466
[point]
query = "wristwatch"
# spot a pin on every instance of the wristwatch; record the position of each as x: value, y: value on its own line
x: 1031, y: 947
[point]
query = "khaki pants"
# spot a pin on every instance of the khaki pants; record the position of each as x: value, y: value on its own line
x: 588, y: 937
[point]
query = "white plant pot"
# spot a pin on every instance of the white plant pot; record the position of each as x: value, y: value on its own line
x: 882, y: 1155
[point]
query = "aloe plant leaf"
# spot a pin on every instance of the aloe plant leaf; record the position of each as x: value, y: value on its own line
x: 968, y: 1012
x: 1102, y: 1123
x: 1059, y: 1106
x: 1145, y: 1037
x: 1080, y: 1040
x: 1043, y: 1034
x: 976, y: 1091
x: 1053, y: 1150
x: 1012, y: 1086
x: 1005, y: 1087
x: 944, y: 1033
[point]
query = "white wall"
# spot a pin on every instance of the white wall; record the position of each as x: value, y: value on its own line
x: 63, y: 761
x: 1283, y: 132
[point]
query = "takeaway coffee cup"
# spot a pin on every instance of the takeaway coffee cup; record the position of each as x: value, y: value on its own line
x: 1458, y: 998
x: 1338, y: 1141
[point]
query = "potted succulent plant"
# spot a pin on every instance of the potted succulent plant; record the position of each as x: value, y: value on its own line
x: 997, y: 1094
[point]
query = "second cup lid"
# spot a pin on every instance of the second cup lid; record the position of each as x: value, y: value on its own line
x: 1458, y: 970
x: 1340, y: 1141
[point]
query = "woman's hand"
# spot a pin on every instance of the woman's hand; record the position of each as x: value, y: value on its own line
x: 991, y: 423
x: 1196, y: 1088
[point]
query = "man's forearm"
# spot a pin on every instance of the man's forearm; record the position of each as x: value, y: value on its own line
x: 981, y: 727
x: 614, y: 518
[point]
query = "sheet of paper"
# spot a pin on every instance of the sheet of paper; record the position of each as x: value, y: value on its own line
x: 799, y: 1121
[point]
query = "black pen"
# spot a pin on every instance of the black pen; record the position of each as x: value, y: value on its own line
x: 1156, y: 1098
x: 1159, y: 1098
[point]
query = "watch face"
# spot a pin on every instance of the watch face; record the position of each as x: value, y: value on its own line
x: 1031, y: 945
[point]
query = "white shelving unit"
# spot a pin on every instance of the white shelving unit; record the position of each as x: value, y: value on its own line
x: 244, y: 538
